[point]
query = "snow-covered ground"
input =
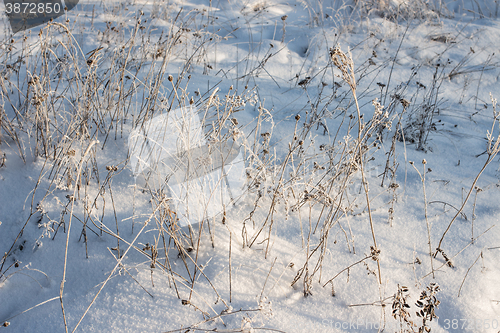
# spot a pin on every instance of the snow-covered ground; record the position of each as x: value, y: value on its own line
x: 88, y: 247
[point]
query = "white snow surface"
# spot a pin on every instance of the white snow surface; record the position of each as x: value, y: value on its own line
x: 461, y: 36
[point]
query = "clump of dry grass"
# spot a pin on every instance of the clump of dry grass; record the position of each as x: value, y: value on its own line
x: 71, y: 105
x: 315, y: 182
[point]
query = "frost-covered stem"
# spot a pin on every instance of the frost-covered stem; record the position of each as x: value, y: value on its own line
x: 422, y: 178
x: 459, y: 211
x: 61, y: 289
x: 230, y: 278
x: 424, y: 162
x: 345, y: 64
x: 467, y: 273
x: 492, y: 150
x: 474, y: 213
x: 363, y: 179
x: 345, y: 269
x: 270, y: 214
x: 118, y: 264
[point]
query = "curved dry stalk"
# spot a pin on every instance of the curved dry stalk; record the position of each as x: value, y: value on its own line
x: 118, y: 264
x: 345, y: 64
x: 492, y: 151
x: 345, y: 269
x: 61, y: 289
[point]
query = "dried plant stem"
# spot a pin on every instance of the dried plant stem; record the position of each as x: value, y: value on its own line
x: 468, y: 270
x: 267, y: 278
x: 474, y: 212
x: 492, y: 151
x: 230, y: 280
x: 68, y: 232
x: 35, y: 306
x: 118, y: 264
x: 490, y: 158
x: 292, y: 147
x: 346, y: 65
x: 446, y: 263
x: 116, y: 221
x: 422, y: 178
x: 345, y: 269
x: 365, y: 184
x: 126, y: 271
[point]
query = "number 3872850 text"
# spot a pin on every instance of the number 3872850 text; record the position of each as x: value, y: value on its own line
x: 32, y: 8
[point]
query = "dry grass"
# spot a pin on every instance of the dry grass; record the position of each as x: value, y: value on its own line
x: 64, y: 107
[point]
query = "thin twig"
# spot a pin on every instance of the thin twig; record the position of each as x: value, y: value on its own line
x: 267, y: 277
x: 468, y: 270
x: 348, y: 267
x: 422, y: 178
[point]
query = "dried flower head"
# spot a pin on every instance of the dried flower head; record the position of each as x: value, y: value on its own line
x: 345, y: 64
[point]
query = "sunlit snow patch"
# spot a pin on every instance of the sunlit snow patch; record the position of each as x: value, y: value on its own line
x: 170, y: 152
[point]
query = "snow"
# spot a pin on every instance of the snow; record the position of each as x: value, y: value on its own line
x: 435, y: 55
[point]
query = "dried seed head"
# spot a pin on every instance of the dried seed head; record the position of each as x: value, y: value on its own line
x: 374, y: 252
x: 297, y: 117
x: 170, y: 78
